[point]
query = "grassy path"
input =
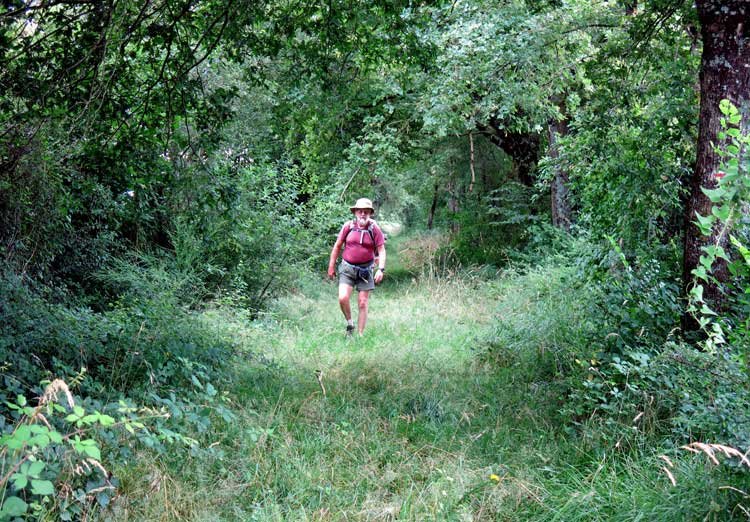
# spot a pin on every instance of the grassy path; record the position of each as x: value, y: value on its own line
x: 407, y: 422
x: 410, y: 426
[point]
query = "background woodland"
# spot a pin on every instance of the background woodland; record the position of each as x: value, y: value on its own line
x: 163, y: 158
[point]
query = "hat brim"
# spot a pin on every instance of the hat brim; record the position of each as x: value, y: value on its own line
x: 362, y: 208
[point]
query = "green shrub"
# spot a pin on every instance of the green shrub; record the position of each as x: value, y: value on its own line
x: 246, y: 229
x: 38, y: 336
x: 48, y: 460
x: 488, y: 232
x: 605, y: 331
x: 142, y: 342
x: 56, y: 456
x: 141, y: 370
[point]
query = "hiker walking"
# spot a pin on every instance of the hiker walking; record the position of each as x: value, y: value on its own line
x: 363, y: 243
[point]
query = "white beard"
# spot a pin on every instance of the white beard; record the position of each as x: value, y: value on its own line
x: 362, y: 222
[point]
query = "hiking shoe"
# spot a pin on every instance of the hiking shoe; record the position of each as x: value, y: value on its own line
x: 349, y: 330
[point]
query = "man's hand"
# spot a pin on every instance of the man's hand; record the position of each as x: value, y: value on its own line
x: 378, y: 277
x: 331, y: 272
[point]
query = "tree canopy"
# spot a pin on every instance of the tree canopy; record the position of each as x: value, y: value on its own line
x: 158, y: 157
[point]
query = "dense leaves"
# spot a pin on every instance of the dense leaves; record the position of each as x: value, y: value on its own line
x: 159, y: 157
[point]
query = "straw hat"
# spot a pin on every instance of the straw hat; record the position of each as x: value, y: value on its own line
x: 362, y: 203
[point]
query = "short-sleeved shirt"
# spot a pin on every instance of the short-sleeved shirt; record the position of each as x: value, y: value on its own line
x: 358, y: 248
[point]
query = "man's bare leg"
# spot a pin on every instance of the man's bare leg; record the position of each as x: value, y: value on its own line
x: 362, y: 299
x: 345, y: 293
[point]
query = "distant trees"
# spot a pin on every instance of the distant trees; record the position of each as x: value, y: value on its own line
x: 141, y: 111
x: 118, y: 117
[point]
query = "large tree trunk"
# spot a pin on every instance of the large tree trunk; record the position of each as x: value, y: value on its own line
x: 561, y: 212
x: 522, y: 148
x: 725, y: 73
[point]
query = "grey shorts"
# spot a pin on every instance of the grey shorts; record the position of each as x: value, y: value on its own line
x: 348, y: 275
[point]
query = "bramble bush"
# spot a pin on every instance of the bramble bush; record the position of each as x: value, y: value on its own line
x: 48, y: 461
x: 127, y: 347
x: 604, y: 332
x: 148, y: 363
x: 637, y: 366
x: 54, y: 456
x: 642, y: 368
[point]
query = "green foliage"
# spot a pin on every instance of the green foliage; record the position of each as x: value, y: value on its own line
x: 490, y: 231
x: 509, y: 63
x: 728, y: 197
x: 46, y: 452
x: 716, y: 399
x: 713, y: 396
x: 621, y: 187
x: 245, y: 230
x: 603, y: 333
x: 636, y: 368
x: 130, y: 347
x: 53, y: 456
x: 83, y: 153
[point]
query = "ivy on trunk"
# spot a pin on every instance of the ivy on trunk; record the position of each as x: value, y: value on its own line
x: 725, y: 73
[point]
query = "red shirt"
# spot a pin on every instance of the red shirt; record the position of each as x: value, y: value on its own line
x: 358, y: 248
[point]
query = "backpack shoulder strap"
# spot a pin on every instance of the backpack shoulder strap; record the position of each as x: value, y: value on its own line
x: 351, y: 227
x: 370, y: 228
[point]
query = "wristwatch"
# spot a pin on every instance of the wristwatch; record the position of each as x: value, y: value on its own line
x: 381, y: 269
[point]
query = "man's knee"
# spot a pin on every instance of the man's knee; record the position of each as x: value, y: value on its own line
x: 362, y: 302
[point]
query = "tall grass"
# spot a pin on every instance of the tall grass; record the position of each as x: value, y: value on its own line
x: 414, y: 425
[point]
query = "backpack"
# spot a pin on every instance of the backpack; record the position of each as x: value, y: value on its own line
x: 353, y: 226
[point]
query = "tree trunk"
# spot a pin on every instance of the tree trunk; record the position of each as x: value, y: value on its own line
x: 471, y: 163
x: 453, y: 205
x: 725, y: 73
x: 523, y: 148
x: 431, y: 215
x: 561, y: 211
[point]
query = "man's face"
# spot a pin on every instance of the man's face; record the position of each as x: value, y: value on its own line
x: 362, y: 215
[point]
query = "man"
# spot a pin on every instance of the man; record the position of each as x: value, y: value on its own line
x: 363, y: 242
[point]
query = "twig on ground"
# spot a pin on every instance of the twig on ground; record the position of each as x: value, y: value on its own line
x: 319, y: 376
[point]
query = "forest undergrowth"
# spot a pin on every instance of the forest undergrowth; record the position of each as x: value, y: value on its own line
x: 564, y: 328
x: 410, y: 422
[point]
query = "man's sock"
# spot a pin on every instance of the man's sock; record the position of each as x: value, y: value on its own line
x: 350, y: 323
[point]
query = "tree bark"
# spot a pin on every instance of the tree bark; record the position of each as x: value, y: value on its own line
x: 471, y: 162
x: 562, y: 214
x: 725, y: 73
x: 431, y: 215
x: 523, y: 148
x: 453, y: 205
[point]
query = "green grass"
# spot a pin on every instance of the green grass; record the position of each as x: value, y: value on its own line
x: 413, y: 423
